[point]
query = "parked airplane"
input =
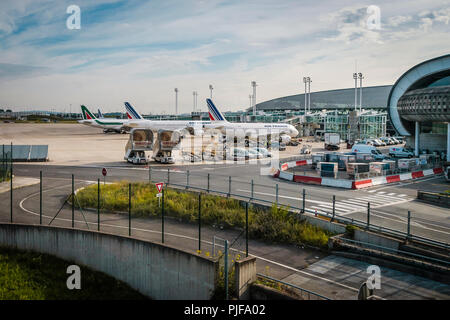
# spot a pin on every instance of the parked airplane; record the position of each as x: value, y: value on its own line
x: 108, y: 125
x: 135, y: 120
x: 250, y: 129
x: 100, y: 115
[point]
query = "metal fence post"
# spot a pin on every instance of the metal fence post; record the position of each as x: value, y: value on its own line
x: 11, y: 182
x: 334, y: 207
x: 368, y: 215
x: 276, y: 194
x: 208, y: 184
x: 168, y: 176
x: 73, y: 202
x: 40, y: 197
x: 246, y: 229
x: 304, y: 200
x: 252, y: 194
x: 408, y: 235
x: 129, y: 209
x: 229, y: 186
x: 187, y: 179
x: 149, y: 174
x: 199, y: 221
x: 226, y: 269
x: 162, y: 216
x: 98, y: 204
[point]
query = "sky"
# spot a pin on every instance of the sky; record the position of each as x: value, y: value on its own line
x: 139, y: 51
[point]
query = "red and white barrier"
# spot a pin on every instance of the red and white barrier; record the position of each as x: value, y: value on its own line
x: 349, y: 184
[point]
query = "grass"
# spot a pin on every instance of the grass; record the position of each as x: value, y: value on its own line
x: 275, y: 224
x: 26, y: 275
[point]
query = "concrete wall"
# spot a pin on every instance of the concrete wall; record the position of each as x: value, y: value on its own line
x: 376, y: 239
x: 324, y: 224
x: 155, y: 270
x: 245, y: 275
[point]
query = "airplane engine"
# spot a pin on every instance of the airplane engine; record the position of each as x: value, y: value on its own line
x: 285, y: 138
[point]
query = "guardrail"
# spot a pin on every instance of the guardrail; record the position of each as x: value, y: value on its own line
x: 435, y: 198
x: 397, y: 251
x: 302, y: 290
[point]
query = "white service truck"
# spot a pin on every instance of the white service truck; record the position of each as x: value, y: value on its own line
x: 332, y: 141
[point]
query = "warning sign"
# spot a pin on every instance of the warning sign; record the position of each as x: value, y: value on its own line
x: 159, y: 186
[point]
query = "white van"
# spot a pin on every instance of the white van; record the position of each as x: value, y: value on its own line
x: 401, y: 152
x: 364, y: 148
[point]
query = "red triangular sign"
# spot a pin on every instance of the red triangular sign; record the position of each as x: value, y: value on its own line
x: 159, y: 186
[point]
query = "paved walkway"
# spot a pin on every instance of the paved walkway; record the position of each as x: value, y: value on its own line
x: 18, y: 182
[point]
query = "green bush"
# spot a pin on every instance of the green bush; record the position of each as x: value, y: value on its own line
x: 350, y: 230
x: 27, y: 275
x: 276, y: 224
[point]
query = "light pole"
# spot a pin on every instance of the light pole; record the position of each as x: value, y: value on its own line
x: 355, y: 76
x: 309, y: 93
x: 250, y: 99
x: 360, y: 77
x: 211, y: 89
x: 304, y: 81
x: 193, y: 94
x: 176, y: 100
x: 254, y: 97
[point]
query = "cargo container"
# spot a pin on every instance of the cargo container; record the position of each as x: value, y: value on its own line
x: 316, y: 158
x: 364, y: 157
x: 379, y: 167
x: 357, y: 167
x: 344, y: 159
x: 328, y: 169
x: 406, y: 163
x: 391, y: 164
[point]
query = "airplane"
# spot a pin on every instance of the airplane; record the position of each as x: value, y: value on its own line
x: 136, y: 120
x: 100, y: 115
x: 248, y: 129
x: 108, y: 125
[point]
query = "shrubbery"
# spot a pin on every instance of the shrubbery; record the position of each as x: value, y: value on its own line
x: 276, y: 224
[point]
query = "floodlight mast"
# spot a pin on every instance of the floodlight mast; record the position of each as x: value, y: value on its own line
x: 176, y: 100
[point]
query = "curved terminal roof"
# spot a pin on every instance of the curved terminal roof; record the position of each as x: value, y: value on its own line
x: 372, y: 98
x: 420, y: 76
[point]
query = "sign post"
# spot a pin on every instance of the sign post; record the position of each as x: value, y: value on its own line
x: 104, y: 173
x: 159, y: 187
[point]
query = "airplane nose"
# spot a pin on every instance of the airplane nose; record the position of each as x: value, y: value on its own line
x: 294, y: 131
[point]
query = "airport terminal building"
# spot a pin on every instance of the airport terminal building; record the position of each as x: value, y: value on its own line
x: 418, y: 106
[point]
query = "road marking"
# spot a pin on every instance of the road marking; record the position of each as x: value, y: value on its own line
x: 281, y: 196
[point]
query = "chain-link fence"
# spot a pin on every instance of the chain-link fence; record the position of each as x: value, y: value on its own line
x: 5, y: 164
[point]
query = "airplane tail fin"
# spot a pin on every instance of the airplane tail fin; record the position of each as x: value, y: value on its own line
x: 100, y: 115
x: 87, y: 115
x: 132, y: 113
x: 214, y: 113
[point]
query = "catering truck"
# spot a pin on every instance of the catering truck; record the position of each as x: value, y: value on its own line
x: 332, y: 141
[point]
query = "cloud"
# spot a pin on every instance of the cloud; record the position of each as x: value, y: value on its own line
x: 141, y: 50
x: 17, y: 71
